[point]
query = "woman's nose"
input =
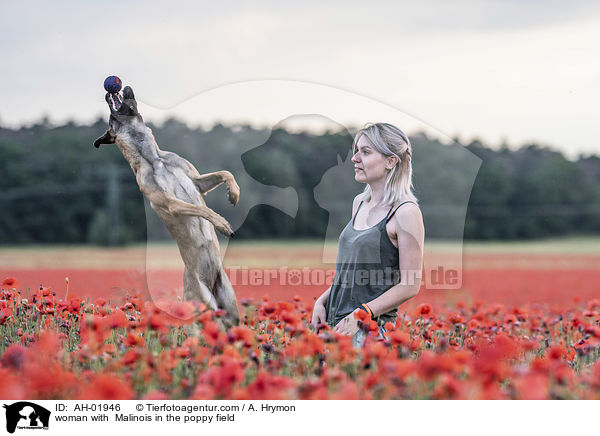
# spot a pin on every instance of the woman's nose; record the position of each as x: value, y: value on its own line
x: 355, y: 158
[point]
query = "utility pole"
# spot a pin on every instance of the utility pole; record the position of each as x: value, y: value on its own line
x: 112, y: 204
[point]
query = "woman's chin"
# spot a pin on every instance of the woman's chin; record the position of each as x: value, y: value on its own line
x: 359, y: 177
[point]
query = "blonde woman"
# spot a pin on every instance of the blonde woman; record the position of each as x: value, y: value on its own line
x: 380, y: 252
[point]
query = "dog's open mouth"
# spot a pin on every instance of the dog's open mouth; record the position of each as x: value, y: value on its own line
x: 114, y: 101
x: 123, y: 109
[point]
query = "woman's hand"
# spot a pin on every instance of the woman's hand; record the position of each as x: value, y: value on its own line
x: 348, y: 326
x: 319, y: 315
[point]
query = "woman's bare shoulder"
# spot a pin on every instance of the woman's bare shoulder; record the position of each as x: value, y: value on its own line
x: 355, y: 203
x: 408, y: 217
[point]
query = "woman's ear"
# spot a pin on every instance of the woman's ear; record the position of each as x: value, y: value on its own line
x: 392, y: 161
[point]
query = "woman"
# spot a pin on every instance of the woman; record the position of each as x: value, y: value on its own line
x: 380, y: 253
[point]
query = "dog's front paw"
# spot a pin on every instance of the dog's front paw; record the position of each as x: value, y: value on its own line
x: 233, y: 193
x: 223, y: 226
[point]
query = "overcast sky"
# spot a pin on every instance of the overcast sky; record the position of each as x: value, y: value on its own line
x: 514, y: 71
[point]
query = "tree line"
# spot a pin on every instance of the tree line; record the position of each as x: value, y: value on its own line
x: 55, y: 187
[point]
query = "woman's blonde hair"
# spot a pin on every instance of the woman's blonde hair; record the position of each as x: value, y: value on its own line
x: 389, y: 141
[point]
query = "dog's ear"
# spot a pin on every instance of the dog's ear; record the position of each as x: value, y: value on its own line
x: 128, y: 93
x: 129, y: 105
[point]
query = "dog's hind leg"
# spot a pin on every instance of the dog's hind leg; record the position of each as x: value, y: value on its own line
x: 226, y: 298
x: 201, y: 267
x: 205, y: 280
x: 175, y: 206
x: 196, y: 290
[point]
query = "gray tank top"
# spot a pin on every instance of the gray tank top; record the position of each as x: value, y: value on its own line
x: 367, y: 266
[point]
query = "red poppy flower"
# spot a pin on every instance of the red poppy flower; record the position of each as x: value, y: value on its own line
x: 242, y: 333
x: 203, y: 392
x: 211, y: 332
x: 362, y: 315
x: 269, y: 307
x: 131, y: 357
x: 447, y: 387
x: 456, y: 318
x: 12, y: 386
x: 106, y: 387
x: 10, y: 282
x: 556, y: 352
x: 14, y: 356
x: 348, y: 391
x: 271, y: 387
x: 5, y: 314
x: 472, y: 324
x: 398, y: 337
x: 533, y: 387
x: 134, y: 339
x: 155, y: 396
x: 424, y: 309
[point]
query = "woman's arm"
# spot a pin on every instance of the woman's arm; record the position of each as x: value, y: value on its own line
x: 410, y: 234
x: 319, y: 314
x: 324, y: 296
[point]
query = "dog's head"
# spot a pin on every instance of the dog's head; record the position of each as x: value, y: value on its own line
x: 124, y: 116
x: 123, y: 109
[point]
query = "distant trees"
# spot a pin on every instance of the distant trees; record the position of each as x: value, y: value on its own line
x: 532, y: 192
x: 56, y: 188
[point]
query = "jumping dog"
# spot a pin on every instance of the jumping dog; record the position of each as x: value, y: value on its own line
x: 174, y: 189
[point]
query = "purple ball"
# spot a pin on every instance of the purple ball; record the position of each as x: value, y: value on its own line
x: 112, y: 84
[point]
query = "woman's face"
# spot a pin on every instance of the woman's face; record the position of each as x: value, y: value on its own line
x: 369, y: 164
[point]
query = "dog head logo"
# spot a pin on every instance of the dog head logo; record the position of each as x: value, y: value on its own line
x: 301, y: 186
x: 297, y: 161
x: 26, y: 415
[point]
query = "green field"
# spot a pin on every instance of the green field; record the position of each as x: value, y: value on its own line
x: 261, y: 253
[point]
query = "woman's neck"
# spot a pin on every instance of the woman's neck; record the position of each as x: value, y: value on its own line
x: 377, y: 190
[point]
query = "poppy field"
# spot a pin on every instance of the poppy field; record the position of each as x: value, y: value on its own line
x: 524, y: 326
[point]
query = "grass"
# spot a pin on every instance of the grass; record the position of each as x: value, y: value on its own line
x: 571, y: 245
x: 583, y: 244
x: 258, y: 253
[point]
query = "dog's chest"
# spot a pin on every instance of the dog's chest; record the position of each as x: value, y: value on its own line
x: 175, y: 181
x: 130, y: 156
